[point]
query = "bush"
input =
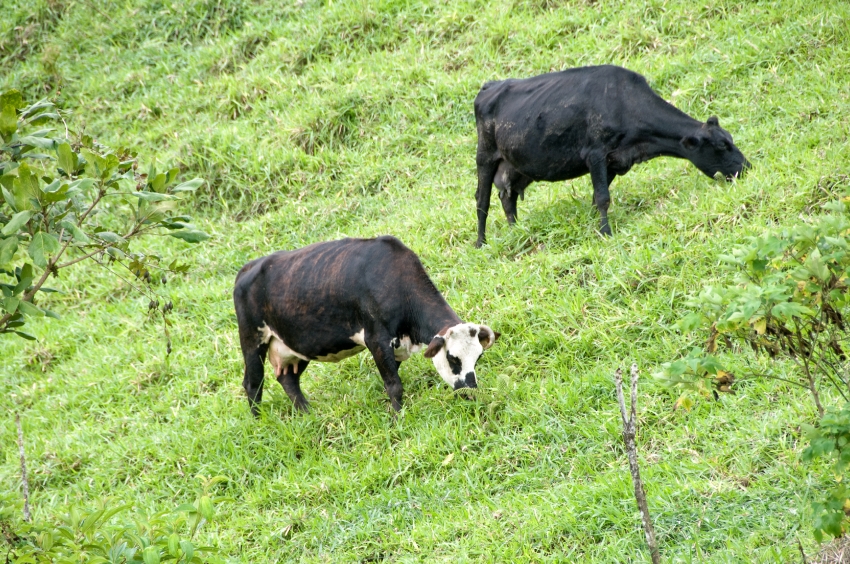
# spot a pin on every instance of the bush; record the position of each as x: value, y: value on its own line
x: 68, y: 199
x: 789, y: 301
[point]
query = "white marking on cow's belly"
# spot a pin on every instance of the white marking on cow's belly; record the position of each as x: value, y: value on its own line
x: 341, y: 355
x: 358, y: 338
x: 405, y: 349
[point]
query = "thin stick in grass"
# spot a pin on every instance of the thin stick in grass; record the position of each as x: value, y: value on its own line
x: 629, y: 432
x: 26, y: 485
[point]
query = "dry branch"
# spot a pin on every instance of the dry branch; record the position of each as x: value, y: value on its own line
x: 26, y: 485
x: 629, y: 432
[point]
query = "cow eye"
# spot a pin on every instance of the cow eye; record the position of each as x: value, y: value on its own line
x: 454, y: 363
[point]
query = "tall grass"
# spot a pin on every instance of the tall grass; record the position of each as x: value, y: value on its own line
x: 317, y: 120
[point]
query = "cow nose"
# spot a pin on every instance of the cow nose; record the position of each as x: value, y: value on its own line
x: 470, y: 380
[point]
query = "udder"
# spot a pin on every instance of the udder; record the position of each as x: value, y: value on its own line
x: 282, y: 358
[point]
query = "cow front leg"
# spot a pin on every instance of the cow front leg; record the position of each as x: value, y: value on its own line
x: 486, y: 173
x: 382, y: 352
x: 601, y: 196
x: 253, y: 380
x: 290, y: 378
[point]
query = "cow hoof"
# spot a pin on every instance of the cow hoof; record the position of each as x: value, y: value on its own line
x: 605, y: 231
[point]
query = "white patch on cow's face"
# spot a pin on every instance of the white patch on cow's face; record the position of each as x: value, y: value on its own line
x: 455, y: 361
x: 404, y: 348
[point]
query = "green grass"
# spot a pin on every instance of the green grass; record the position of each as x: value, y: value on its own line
x: 315, y: 121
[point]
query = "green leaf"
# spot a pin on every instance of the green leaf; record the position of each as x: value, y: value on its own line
x: 816, y: 267
x: 10, y: 199
x: 25, y: 279
x: 190, y: 236
x: 7, y: 250
x: 40, y: 142
x: 10, y: 304
x: 57, y: 192
x: 26, y: 336
x: 28, y: 309
x: 82, y: 184
x: 117, y: 253
x: 690, y: 322
x: 173, y: 544
x: 188, y: 550
x: 67, y: 158
x: 75, y: 231
x: 18, y: 220
x: 9, y: 102
x: 153, y: 196
x: 151, y: 555
x: 189, y: 186
x: 41, y: 247
x: 205, y: 506
x: 787, y: 310
x: 109, y: 237
x: 177, y: 225
x: 26, y: 188
x: 157, y: 184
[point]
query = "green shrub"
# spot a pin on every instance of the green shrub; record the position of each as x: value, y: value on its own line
x: 789, y: 300
x: 69, y: 199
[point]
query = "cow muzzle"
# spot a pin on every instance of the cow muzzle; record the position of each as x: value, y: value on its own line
x: 468, y: 382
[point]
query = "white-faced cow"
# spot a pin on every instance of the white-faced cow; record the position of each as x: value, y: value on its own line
x: 600, y: 120
x: 331, y: 300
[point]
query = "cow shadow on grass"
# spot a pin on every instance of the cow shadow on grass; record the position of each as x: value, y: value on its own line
x: 556, y: 217
x: 563, y: 215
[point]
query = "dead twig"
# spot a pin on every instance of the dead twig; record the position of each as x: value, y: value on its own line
x: 26, y: 485
x: 629, y: 432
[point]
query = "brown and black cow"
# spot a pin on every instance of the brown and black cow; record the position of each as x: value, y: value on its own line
x: 331, y: 300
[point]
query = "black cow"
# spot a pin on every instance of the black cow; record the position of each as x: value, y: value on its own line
x: 329, y: 301
x: 600, y: 120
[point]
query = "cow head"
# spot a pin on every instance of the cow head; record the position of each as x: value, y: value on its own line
x: 456, y: 350
x: 711, y: 150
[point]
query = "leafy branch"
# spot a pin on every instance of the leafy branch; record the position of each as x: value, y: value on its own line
x: 789, y: 300
x: 67, y: 200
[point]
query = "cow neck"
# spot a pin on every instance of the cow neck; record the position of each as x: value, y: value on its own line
x: 431, y: 315
x: 667, y: 126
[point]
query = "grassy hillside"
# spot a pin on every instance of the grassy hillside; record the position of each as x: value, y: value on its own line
x: 318, y: 120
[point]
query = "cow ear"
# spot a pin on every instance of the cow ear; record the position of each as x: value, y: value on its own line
x: 434, y: 347
x: 487, y: 336
x: 691, y: 142
x: 713, y: 121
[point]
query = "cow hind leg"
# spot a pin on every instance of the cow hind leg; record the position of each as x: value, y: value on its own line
x: 289, y: 377
x: 253, y: 380
x: 486, y: 173
x: 601, y: 196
